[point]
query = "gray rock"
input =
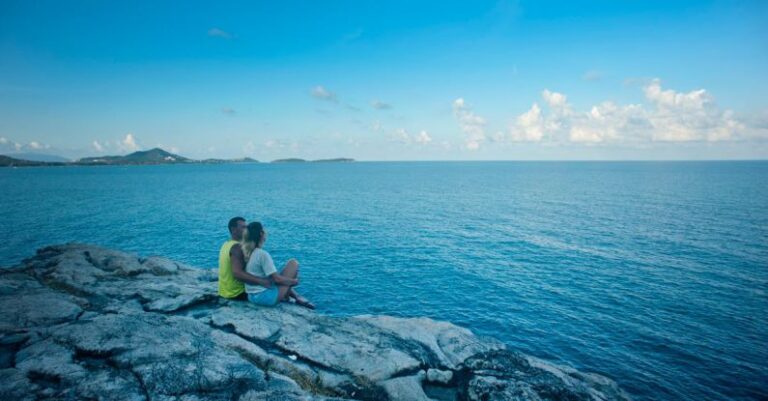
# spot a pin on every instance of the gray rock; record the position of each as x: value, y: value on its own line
x: 38, y: 308
x: 83, y: 322
x: 406, y: 388
x: 439, y: 376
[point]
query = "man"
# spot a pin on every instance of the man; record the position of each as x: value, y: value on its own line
x: 232, y: 272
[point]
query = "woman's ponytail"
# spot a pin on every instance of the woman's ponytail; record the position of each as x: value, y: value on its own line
x: 251, y: 238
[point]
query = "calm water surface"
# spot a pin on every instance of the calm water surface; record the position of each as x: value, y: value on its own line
x: 654, y: 274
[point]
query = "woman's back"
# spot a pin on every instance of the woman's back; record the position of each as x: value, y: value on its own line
x: 259, y: 264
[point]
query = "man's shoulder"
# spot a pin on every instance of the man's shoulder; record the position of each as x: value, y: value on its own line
x: 228, y: 242
x: 233, y: 248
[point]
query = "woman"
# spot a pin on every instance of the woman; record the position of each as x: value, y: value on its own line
x: 260, y: 264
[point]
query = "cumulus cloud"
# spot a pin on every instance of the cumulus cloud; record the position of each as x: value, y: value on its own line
x: 319, y: 92
x: 608, y: 122
x: 379, y: 105
x: 529, y: 126
x: 11, y: 146
x: 219, y: 33
x: 401, y: 135
x: 666, y: 116
x: 423, y: 138
x: 129, y: 144
x: 688, y: 116
x: 557, y: 101
x: 471, y: 124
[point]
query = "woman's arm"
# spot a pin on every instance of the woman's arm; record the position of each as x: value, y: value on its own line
x: 282, y: 280
x: 238, y: 262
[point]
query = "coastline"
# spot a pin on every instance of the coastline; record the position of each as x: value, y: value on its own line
x: 84, y: 320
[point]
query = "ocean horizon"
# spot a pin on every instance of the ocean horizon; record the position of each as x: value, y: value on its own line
x: 653, y: 273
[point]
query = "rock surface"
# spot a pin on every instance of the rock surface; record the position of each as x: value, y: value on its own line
x: 83, y: 322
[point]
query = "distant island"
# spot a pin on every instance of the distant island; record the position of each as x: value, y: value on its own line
x: 7, y: 161
x: 289, y: 160
x: 297, y: 160
x: 144, y: 157
x: 152, y: 156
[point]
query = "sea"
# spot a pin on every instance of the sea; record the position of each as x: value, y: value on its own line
x: 654, y: 274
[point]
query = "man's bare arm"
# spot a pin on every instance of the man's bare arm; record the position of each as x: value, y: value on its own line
x: 238, y: 269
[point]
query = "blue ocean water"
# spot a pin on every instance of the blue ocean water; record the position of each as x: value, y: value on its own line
x: 652, y: 273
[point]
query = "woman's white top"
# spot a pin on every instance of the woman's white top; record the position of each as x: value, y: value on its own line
x: 260, y: 265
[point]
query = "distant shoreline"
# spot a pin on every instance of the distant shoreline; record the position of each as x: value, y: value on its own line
x: 150, y: 157
x: 8, y: 161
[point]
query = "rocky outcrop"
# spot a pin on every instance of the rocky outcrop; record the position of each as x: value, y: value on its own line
x: 83, y: 322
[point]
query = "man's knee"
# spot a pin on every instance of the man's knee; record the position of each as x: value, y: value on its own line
x: 293, y: 262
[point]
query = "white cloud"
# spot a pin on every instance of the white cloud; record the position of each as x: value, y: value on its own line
x: 667, y: 116
x: 471, y: 124
x: 555, y: 100
x: 10, y: 146
x: 401, y: 135
x: 7, y: 145
x: 319, y: 92
x: 609, y: 122
x: 423, y: 138
x: 97, y: 146
x: 218, y: 33
x: 129, y: 144
x: 688, y: 116
x: 529, y: 126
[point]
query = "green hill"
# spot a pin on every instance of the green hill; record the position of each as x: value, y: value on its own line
x: 7, y: 161
x: 152, y: 156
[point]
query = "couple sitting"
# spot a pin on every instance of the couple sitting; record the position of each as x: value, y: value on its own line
x: 246, y: 271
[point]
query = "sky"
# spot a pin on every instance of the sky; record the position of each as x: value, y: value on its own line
x: 396, y: 80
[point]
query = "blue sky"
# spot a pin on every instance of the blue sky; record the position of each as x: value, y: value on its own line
x: 387, y: 80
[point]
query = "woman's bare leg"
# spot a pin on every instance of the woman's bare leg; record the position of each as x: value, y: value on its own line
x: 290, y: 270
x: 282, y: 293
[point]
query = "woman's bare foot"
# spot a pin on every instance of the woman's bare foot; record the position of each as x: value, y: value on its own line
x: 301, y: 301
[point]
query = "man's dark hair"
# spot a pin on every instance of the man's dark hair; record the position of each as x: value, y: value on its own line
x: 233, y: 222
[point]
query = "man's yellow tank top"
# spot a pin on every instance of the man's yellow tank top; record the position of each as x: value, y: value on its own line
x: 229, y: 287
